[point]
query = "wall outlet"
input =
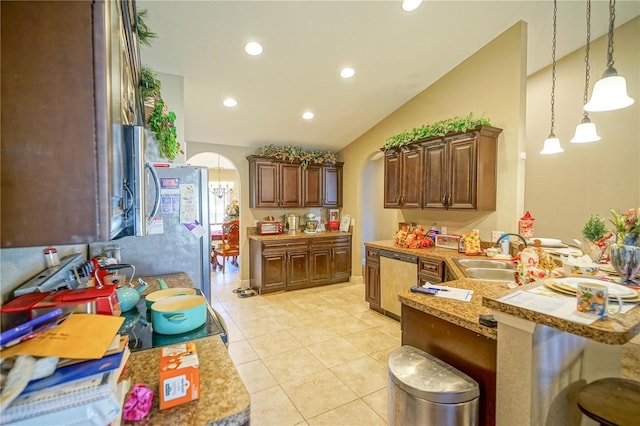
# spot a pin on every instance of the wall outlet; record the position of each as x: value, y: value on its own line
x: 495, y: 235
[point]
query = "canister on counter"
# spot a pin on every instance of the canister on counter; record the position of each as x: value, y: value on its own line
x: 525, y: 225
x: 51, y: 257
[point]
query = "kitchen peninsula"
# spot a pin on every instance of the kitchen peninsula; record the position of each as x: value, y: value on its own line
x: 224, y: 400
x: 531, y: 365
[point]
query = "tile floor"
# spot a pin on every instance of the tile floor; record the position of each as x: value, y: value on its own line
x: 309, y: 357
x: 318, y: 356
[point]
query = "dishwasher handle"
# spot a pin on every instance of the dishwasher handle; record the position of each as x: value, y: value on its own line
x: 403, y: 257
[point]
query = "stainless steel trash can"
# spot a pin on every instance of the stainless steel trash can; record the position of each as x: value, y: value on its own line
x: 424, y: 390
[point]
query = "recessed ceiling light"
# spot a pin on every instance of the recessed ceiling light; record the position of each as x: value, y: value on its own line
x: 347, y: 72
x: 230, y: 102
x: 253, y: 48
x: 410, y: 5
x: 308, y: 115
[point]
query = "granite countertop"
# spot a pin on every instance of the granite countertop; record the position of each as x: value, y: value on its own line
x: 615, y: 330
x: 224, y: 399
x: 252, y: 233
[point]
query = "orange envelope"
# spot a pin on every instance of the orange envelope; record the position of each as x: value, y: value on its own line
x: 81, y: 336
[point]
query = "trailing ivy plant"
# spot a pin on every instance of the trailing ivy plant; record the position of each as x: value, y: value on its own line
x: 297, y: 154
x: 145, y: 35
x: 149, y: 85
x: 162, y: 124
x: 440, y: 128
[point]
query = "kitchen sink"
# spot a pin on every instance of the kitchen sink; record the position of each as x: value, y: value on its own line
x: 485, y: 264
x: 490, y: 274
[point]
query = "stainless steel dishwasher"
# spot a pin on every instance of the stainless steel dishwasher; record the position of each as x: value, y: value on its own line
x: 398, y: 272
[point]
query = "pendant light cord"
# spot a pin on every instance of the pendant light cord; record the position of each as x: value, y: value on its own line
x: 587, y: 69
x: 553, y: 69
x: 612, y: 19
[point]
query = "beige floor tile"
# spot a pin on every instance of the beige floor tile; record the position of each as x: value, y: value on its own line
x: 241, y: 352
x: 383, y: 356
x: 254, y: 328
x: 275, y: 343
x: 318, y: 393
x: 256, y: 376
x: 374, y: 318
x: 335, y: 352
x: 392, y: 329
x: 293, y: 365
x: 234, y: 333
x: 311, y: 334
x: 378, y: 402
x: 372, y: 340
x: 363, y: 375
x: 292, y: 321
x: 273, y: 407
x: 347, y: 325
x: 353, y: 414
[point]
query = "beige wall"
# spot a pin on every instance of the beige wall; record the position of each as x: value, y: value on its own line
x: 489, y: 83
x: 562, y: 190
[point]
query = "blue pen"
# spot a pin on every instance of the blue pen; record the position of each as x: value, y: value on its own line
x: 437, y: 289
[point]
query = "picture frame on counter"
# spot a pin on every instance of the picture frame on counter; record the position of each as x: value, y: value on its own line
x: 345, y: 222
x: 449, y: 241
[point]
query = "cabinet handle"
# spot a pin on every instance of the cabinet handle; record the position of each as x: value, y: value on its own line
x: 444, y: 200
x: 449, y: 200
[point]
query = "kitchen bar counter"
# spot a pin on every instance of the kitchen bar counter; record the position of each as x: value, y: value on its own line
x: 224, y: 400
x: 252, y: 234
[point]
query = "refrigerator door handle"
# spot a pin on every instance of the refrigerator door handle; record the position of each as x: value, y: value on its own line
x: 156, y: 203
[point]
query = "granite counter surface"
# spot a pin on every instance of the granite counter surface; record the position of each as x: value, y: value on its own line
x: 224, y: 399
x: 252, y: 234
x: 615, y: 330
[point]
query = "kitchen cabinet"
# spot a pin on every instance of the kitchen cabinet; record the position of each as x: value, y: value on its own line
x: 430, y: 270
x: 372, y: 278
x: 274, y: 184
x: 61, y: 111
x: 312, y: 186
x: 299, y: 262
x: 403, y: 178
x: 455, y: 172
x: 332, y: 185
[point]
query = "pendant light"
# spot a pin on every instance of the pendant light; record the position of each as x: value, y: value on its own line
x: 586, y: 130
x: 610, y: 92
x: 219, y: 191
x: 552, y: 143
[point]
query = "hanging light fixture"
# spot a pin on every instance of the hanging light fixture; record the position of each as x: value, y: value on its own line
x: 586, y: 130
x: 219, y: 191
x: 552, y: 143
x: 610, y: 92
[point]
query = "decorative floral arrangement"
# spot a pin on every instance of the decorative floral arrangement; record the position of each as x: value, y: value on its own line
x: 297, y: 154
x: 440, y: 128
x: 413, y: 238
x: 233, y: 209
x: 627, y: 226
x: 162, y: 124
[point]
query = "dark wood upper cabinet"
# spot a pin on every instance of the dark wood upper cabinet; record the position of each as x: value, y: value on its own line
x: 456, y: 172
x: 275, y: 184
x: 61, y: 115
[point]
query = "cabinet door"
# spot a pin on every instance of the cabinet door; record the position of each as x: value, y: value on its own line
x: 411, y: 175
x: 392, y: 181
x: 55, y: 132
x: 312, y: 185
x: 435, y: 176
x: 263, y: 187
x: 341, y: 263
x: 372, y: 284
x: 297, y: 268
x: 462, y: 174
x: 332, y: 182
x: 320, y: 265
x: 274, y: 270
x: 290, y: 180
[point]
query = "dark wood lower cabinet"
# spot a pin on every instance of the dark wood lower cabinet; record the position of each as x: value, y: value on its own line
x: 372, y: 278
x: 290, y: 264
x: 469, y: 352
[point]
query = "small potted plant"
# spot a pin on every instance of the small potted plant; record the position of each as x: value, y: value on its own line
x: 597, y: 238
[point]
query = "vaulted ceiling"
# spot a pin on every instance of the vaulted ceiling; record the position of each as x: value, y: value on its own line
x: 395, y: 54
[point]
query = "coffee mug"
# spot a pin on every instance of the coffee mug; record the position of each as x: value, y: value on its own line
x: 593, y: 299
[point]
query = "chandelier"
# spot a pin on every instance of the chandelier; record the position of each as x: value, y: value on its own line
x: 219, y: 191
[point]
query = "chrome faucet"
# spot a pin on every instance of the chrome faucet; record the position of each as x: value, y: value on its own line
x: 515, y: 235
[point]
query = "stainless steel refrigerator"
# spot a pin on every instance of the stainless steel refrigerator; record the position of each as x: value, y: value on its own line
x: 178, y: 237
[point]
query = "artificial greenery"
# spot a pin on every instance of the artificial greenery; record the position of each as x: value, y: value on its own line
x: 162, y: 124
x: 440, y: 128
x: 595, y: 228
x: 145, y: 35
x: 149, y: 85
x: 297, y: 154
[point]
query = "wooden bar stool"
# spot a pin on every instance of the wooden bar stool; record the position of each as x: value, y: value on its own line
x: 611, y: 401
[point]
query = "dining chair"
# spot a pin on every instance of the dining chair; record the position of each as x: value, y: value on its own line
x: 229, y: 245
